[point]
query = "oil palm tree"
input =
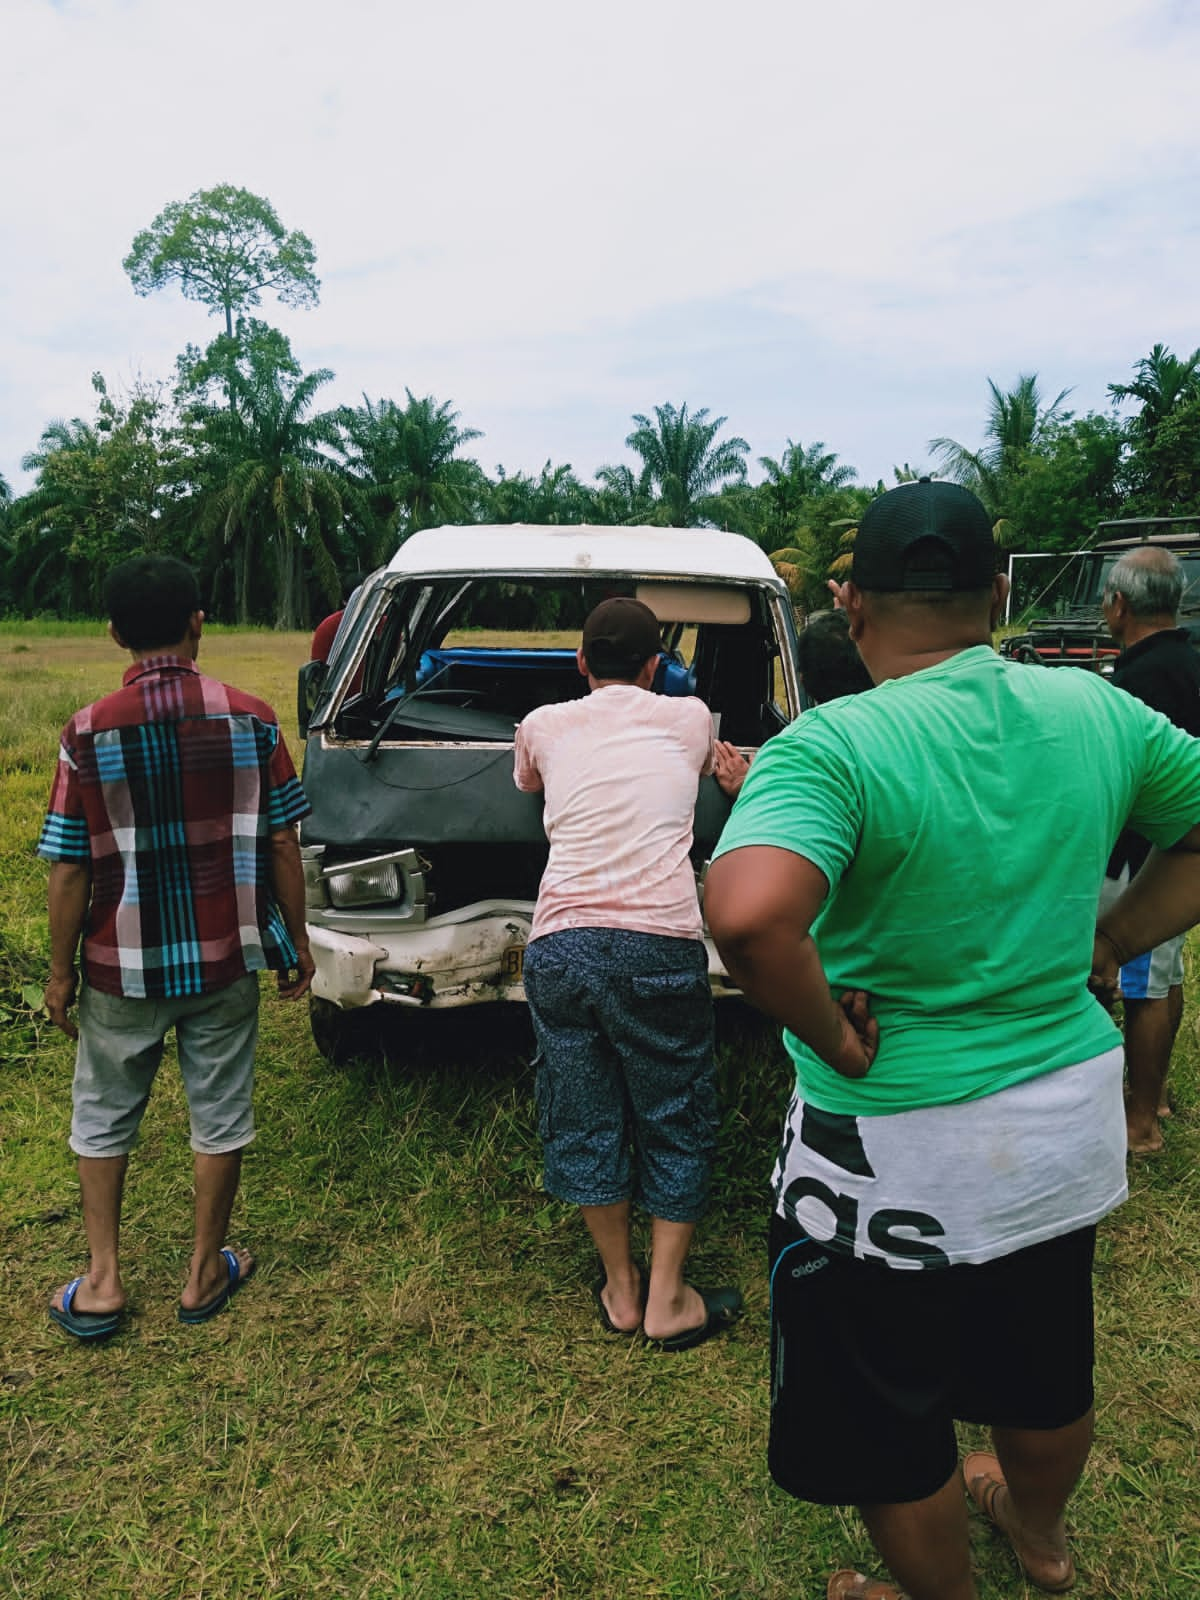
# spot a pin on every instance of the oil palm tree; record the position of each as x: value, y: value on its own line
x: 50, y: 559
x: 625, y: 497
x: 685, y: 463
x: 554, y: 496
x: 272, y: 488
x: 806, y: 472
x: 847, y: 532
x: 1163, y: 382
x: 797, y: 477
x: 1016, y: 424
x: 405, y: 460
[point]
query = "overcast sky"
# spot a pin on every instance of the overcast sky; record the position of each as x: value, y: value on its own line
x: 824, y: 220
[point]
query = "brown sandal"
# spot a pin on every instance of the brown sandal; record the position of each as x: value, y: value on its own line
x: 984, y: 1480
x: 850, y: 1585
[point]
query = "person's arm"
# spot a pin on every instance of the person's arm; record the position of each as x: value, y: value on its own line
x: 525, y: 768
x: 287, y: 885
x: 68, y: 896
x: 760, y: 902
x: 1162, y: 900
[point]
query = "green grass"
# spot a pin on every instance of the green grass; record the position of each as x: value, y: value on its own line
x: 413, y: 1398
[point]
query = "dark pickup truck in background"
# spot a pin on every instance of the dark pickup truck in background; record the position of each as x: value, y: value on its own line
x: 1078, y: 637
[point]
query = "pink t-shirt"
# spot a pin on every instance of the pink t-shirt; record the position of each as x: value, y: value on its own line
x: 620, y: 770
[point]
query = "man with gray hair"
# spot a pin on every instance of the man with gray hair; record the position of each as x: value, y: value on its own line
x: 1158, y: 665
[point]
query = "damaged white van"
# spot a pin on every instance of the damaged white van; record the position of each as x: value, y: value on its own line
x: 421, y: 857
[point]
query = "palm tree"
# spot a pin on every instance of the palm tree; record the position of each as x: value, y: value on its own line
x: 1016, y: 425
x: 372, y: 455
x: 104, y: 490
x: 796, y: 565
x: 804, y: 472
x: 684, y: 463
x: 405, y: 460
x: 6, y: 546
x: 50, y: 561
x: 1163, y: 382
x: 847, y: 529
x: 273, y: 486
x: 554, y: 496
x: 59, y: 435
x: 625, y: 497
x: 797, y: 477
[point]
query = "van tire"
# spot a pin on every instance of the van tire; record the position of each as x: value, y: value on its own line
x: 345, y: 1036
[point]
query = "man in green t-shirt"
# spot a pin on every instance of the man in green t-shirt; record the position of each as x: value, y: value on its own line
x: 908, y: 882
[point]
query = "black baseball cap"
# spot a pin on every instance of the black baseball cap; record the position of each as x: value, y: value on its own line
x: 924, y: 535
x: 619, y: 637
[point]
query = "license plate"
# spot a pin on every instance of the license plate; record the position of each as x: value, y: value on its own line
x: 512, y: 963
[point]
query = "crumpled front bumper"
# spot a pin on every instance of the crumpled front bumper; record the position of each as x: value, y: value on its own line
x: 465, y: 957
x: 462, y: 958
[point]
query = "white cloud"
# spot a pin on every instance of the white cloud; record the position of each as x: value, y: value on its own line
x: 507, y: 201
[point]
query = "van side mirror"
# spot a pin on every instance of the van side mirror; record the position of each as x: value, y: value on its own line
x: 309, y: 682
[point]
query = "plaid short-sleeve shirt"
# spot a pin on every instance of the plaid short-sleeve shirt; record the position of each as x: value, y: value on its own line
x: 169, y: 790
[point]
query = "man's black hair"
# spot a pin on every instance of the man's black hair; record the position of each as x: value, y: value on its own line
x: 828, y: 658
x: 150, y: 599
x: 606, y: 667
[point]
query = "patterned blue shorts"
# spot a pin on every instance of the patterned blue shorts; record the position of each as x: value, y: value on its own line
x: 627, y: 1105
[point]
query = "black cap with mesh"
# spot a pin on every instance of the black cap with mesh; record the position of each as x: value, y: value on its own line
x: 922, y: 536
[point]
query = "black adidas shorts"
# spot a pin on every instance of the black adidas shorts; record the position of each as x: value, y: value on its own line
x: 871, y: 1365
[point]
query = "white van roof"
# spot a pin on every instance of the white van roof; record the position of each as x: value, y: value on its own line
x: 519, y: 547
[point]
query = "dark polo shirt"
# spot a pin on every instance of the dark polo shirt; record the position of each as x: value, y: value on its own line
x: 1163, y: 670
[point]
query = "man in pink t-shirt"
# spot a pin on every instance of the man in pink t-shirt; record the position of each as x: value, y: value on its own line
x: 616, y: 974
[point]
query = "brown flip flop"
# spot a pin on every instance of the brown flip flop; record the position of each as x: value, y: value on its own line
x: 984, y: 1480
x: 850, y: 1585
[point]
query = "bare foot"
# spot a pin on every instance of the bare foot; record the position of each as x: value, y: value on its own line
x: 665, y: 1317
x: 621, y: 1303
x: 1144, y: 1140
x: 1044, y: 1558
x: 210, y: 1276
x: 92, y: 1299
x: 848, y: 1585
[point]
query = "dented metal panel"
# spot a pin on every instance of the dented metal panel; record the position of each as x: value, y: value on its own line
x: 429, y: 795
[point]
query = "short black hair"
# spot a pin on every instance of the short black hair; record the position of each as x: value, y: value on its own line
x: 150, y: 599
x: 604, y: 665
x: 828, y: 658
x: 961, y: 602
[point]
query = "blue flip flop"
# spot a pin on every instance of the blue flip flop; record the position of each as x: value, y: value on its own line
x: 83, y: 1324
x: 210, y: 1308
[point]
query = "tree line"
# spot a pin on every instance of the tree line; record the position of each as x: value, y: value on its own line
x: 232, y: 464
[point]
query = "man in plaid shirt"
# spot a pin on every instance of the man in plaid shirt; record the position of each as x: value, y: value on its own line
x: 171, y: 833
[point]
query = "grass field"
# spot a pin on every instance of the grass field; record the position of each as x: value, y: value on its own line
x: 414, y: 1399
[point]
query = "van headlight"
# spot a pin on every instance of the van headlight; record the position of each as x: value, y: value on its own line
x: 398, y: 880
x: 365, y: 884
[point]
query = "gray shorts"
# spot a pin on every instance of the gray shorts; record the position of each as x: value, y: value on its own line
x: 121, y: 1046
x: 1152, y: 975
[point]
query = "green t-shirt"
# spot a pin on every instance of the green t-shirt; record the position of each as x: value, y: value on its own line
x: 963, y: 816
